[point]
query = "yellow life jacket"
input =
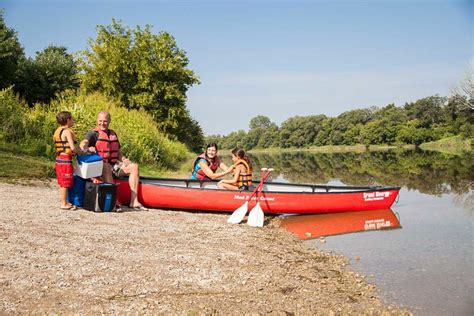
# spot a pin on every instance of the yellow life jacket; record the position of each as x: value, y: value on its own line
x: 62, y: 146
x: 245, y: 179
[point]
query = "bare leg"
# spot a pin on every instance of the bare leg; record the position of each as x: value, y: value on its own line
x: 133, y: 180
x: 107, y: 173
x: 227, y: 186
x: 63, y: 197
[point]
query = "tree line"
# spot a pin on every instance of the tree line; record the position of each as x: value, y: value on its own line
x: 148, y: 72
x: 427, y: 171
x: 141, y: 70
x: 427, y: 119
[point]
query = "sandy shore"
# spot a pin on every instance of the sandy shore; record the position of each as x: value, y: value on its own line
x: 62, y: 262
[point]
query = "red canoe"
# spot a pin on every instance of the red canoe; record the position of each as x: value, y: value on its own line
x: 313, y: 226
x: 275, y: 198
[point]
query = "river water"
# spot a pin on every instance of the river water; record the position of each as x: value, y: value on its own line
x: 426, y: 262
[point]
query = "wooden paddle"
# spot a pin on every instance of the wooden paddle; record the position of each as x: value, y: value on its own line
x: 239, y: 214
x: 256, y: 215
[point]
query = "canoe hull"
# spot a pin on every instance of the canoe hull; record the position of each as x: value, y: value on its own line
x: 313, y: 226
x: 186, y: 198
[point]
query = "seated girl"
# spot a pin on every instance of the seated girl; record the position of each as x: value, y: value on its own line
x: 242, y: 178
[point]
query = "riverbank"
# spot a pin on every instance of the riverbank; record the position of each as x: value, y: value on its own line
x: 450, y: 145
x: 335, y: 149
x: 64, y: 262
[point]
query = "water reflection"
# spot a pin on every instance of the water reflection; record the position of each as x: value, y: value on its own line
x: 433, y: 252
x: 313, y: 226
x: 428, y: 172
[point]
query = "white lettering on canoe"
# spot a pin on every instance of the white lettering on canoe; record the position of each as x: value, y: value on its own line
x: 375, y: 224
x: 376, y: 196
x: 247, y: 198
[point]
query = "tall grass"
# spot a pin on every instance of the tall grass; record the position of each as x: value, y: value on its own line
x: 31, y: 129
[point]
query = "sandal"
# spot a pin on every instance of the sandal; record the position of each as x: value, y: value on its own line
x: 139, y: 208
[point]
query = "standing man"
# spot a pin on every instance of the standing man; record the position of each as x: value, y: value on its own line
x: 104, y: 142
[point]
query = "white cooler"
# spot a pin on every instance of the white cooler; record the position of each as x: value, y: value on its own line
x: 89, y: 166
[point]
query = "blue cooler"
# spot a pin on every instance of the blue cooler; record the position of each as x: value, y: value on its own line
x: 89, y: 166
x: 75, y: 194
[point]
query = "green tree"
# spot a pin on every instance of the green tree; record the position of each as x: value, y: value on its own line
x: 234, y: 139
x: 300, y: 131
x: 52, y: 71
x: 260, y: 121
x: 379, y: 132
x: 260, y: 126
x: 391, y: 113
x: 11, y: 53
x: 192, y: 135
x: 426, y: 110
x: 411, y: 133
x: 144, y: 71
x: 323, y: 136
x: 352, y: 135
x: 269, y: 137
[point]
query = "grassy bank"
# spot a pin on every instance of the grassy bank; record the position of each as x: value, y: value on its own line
x: 20, y: 166
x: 450, y: 145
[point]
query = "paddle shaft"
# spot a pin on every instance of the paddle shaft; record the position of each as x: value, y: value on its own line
x: 264, y: 176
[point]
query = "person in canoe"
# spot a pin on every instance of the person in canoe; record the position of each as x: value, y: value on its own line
x: 104, y: 141
x: 207, y: 163
x: 242, y: 178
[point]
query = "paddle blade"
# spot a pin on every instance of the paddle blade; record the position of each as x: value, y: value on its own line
x: 238, y: 214
x: 256, y: 216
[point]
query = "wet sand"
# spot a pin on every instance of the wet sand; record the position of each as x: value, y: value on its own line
x: 62, y: 262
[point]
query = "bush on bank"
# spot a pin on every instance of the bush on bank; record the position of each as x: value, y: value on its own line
x: 31, y: 129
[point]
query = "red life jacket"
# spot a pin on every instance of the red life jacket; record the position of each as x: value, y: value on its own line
x: 107, y: 146
x: 213, y: 165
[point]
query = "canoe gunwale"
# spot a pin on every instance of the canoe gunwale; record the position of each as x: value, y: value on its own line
x: 328, y: 189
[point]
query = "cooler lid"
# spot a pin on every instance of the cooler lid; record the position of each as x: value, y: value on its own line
x: 88, y: 158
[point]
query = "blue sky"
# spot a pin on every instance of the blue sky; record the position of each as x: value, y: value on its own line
x: 280, y: 58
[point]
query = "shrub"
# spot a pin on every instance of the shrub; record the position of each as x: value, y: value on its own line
x: 11, y: 116
x: 139, y: 136
x: 32, y: 128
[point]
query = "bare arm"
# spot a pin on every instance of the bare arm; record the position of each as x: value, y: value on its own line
x: 223, y: 166
x: 70, y: 140
x: 238, y: 171
x: 209, y: 173
x: 84, y: 144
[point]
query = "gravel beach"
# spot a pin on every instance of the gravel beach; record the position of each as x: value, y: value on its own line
x: 54, y: 261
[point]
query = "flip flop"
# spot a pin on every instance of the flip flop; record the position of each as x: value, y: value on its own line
x: 68, y: 207
x: 139, y: 208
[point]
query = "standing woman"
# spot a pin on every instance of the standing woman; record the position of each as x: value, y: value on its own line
x: 242, y: 178
x: 207, y: 163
